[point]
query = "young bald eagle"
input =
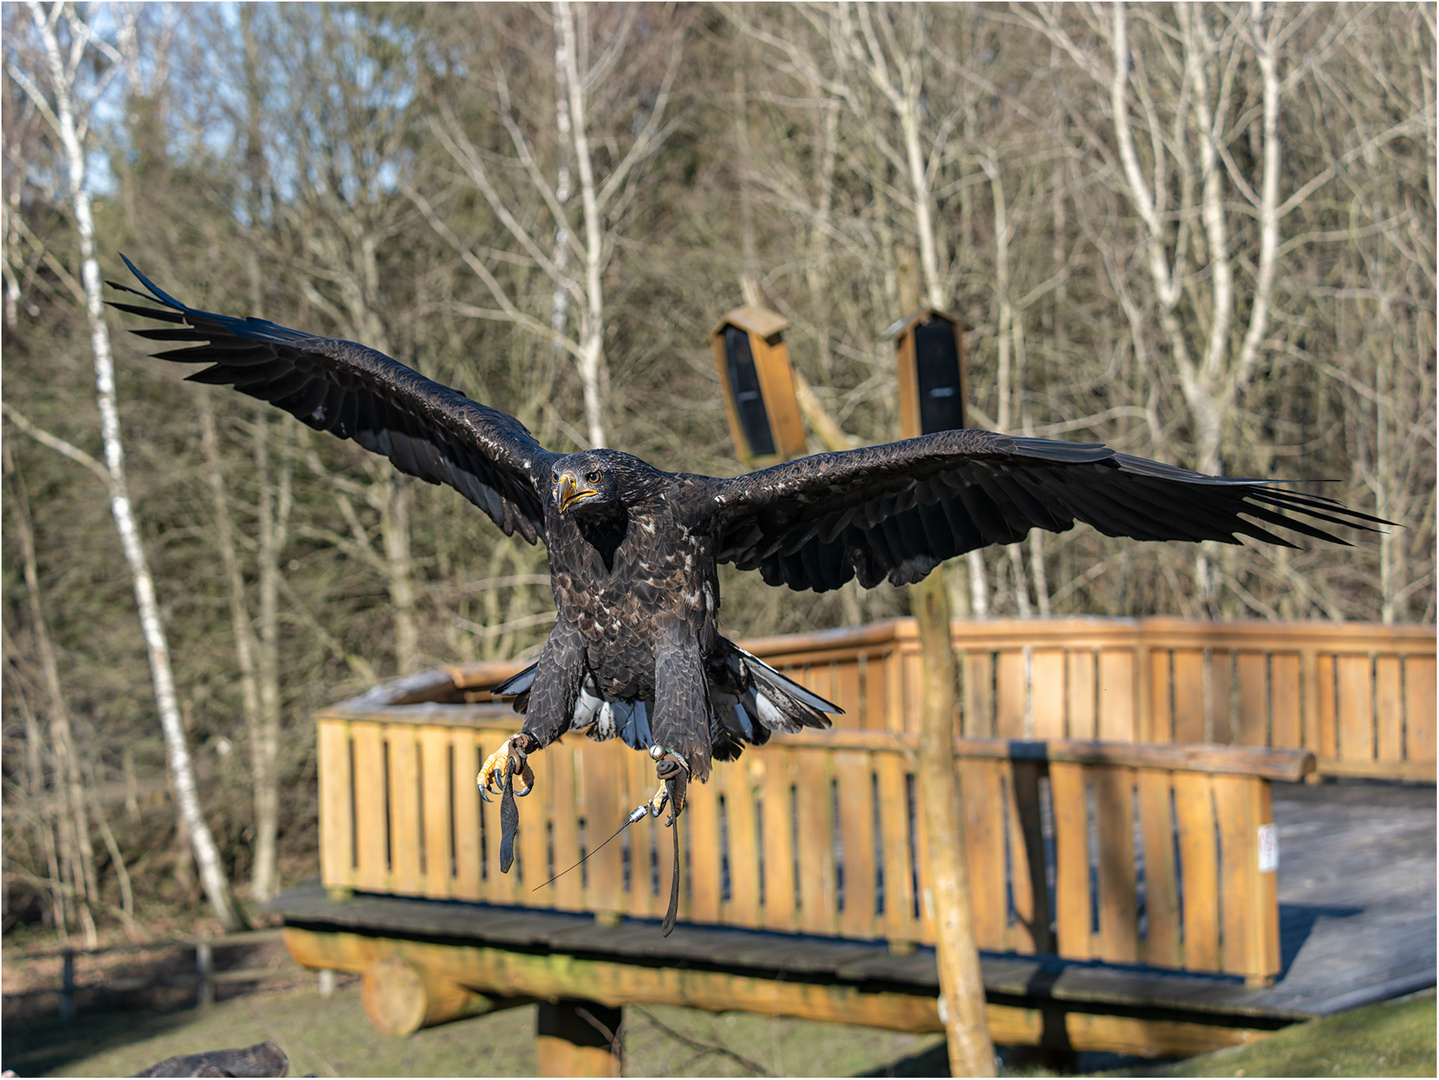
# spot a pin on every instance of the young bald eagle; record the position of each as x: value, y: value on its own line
x: 633, y: 550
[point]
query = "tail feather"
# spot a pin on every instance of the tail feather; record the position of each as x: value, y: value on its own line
x: 764, y: 700
x: 748, y: 700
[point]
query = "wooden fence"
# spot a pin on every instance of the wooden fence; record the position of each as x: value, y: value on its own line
x: 205, y: 979
x: 1158, y: 854
x: 1360, y: 696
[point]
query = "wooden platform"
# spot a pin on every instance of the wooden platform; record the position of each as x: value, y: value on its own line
x: 1357, y: 912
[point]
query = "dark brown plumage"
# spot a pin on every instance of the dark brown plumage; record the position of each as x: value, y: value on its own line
x: 635, y: 651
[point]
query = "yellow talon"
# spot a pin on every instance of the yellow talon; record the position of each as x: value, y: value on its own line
x: 498, y: 765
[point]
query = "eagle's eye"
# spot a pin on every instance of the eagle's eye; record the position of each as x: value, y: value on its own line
x: 593, y: 477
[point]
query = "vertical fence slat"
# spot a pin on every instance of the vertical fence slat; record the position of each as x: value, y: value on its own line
x: 532, y: 839
x: 704, y: 851
x: 896, y: 701
x: 1325, y: 708
x: 1082, y: 719
x: 1118, y: 898
x: 563, y: 797
x: 849, y: 696
x: 1216, y: 700
x: 467, y: 884
x: 1388, y: 709
x: 895, y: 839
x: 779, y: 852
x: 435, y: 809
x: 604, y: 813
x: 1419, y: 708
x: 1188, y: 696
x: 913, y: 678
x: 1199, y: 869
x: 1161, y: 713
x: 1354, y: 705
x: 743, y: 842
x: 874, y: 676
x: 1253, y: 674
x: 1071, y: 876
x: 856, y: 825
x: 404, y: 808
x: 647, y: 870
x: 1118, y: 693
x: 371, y: 817
x: 1286, y: 724
x: 336, y: 826
x: 1047, y: 693
x: 978, y: 693
x: 816, y: 851
x: 1162, y: 942
x: 982, y: 799
x: 1010, y: 687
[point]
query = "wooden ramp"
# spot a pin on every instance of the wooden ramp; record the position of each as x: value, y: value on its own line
x: 1356, y: 890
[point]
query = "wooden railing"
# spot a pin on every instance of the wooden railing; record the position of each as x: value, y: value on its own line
x: 1154, y: 853
x: 1360, y: 696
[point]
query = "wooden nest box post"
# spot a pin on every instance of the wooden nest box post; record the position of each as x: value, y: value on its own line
x: 758, y: 384
x: 933, y: 389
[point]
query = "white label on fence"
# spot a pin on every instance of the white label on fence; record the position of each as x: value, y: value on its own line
x: 1268, y: 849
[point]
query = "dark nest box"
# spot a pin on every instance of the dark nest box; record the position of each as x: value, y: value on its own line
x: 753, y: 363
x: 929, y: 348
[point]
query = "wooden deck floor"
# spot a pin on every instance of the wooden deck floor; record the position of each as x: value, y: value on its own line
x: 1357, y: 913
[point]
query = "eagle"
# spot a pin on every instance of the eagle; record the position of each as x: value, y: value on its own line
x: 633, y: 550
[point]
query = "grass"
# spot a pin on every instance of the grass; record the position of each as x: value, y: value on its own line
x: 1392, y: 1038
x: 331, y: 1037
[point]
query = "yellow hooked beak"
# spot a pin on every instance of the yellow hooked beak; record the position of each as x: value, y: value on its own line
x: 570, y: 491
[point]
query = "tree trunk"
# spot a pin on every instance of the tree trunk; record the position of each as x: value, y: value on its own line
x: 207, y: 855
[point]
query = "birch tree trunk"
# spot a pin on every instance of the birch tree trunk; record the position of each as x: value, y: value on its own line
x: 62, y: 119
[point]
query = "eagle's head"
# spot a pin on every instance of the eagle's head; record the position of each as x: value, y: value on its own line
x: 589, y: 483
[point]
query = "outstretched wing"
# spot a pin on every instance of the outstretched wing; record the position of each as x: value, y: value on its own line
x: 425, y: 429
x: 897, y: 511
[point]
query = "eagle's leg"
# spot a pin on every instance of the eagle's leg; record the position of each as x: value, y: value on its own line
x: 510, y: 760
x: 669, y: 765
x: 674, y: 773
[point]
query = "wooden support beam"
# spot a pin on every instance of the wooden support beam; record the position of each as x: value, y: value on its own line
x: 512, y: 978
x: 401, y: 997
x: 574, y: 1037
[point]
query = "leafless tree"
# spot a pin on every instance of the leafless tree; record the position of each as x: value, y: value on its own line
x: 63, y: 111
x: 604, y: 98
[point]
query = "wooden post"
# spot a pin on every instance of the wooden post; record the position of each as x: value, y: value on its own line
x: 578, y: 1038
x: 204, y: 966
x: 67, y: 985
x: 961, y: 986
